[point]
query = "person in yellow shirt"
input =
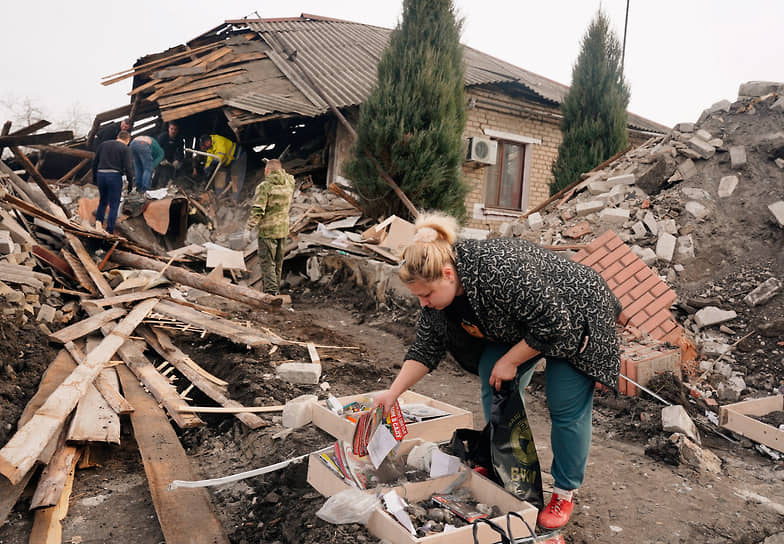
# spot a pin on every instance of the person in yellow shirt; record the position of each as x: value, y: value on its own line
x: 232, y: 157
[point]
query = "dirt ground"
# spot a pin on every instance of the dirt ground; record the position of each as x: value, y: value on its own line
x: 633, y: 492
x: 627, y: 495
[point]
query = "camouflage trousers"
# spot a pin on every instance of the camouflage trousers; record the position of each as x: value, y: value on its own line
x: 270, y: 253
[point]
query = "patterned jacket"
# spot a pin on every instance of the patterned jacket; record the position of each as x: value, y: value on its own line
x: 520, y: 291
x: 271, y: 203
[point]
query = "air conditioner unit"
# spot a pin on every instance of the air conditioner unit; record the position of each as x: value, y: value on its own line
x: 482, y: 150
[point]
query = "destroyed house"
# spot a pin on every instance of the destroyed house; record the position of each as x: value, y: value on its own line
x: 273, y: 83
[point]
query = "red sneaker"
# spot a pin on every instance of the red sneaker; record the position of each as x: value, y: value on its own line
x: 556, y: 514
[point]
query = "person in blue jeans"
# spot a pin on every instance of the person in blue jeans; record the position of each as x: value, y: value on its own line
x: 517, y: 302
x: 112, y: 160
x: 147, y: 155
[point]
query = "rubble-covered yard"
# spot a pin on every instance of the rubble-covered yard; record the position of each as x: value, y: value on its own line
x: 716, y: 242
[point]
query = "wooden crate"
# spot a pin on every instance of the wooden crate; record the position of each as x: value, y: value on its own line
x: 384, y: 526
x: 433, y: 430
x: 735, y: 417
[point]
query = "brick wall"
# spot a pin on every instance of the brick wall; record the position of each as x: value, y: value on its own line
x: 498, y: 111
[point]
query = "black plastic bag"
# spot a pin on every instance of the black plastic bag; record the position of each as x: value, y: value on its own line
x: 512, y: 446
x: 505, y: 448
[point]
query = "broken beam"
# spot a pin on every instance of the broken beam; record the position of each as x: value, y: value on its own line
x: 248, y: 296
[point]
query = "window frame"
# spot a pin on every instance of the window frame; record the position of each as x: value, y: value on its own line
x: 521, y: 184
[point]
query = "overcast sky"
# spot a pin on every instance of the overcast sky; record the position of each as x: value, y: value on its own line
x: 681, y: 56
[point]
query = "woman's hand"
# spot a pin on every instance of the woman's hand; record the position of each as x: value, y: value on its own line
x: 503, y: 371
x: 386, y: 399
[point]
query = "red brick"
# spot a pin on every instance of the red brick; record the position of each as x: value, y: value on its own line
x: 630, y: 271
x: 612, y: 284
x: 626, y: 300
x: 622, y: 383
x: 645, y: 286
x: 629, y: 259
x: 613, y: 242
x: 644, y: 274
x: 638, y: 305
x: 600, y: 241
x: 611, y: 270
x: 667, y: 326
x: 615, y: 256
x: 595, y: 257
x: 578, y: 231
x: 580, y: 256
x: 661, y: 303
x: 659, y: 289
x: 625, y: 287
x: 659, y: 318
x: 623, y: 319
x: 631, y: 372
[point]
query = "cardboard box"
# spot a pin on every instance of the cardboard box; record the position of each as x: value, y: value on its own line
x: 735, y: 417
x: 433, y: 430
x: 384, y: 526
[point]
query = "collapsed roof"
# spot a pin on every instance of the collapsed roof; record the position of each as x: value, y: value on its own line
x: 246, y: 68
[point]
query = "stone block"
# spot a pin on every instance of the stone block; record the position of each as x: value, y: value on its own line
x: 701, y: 147
x: 615, y: 216
x: 639, y: 229
x: 778, y: 105
x: 505, y: 229
x: 737, y: 156
x: 685, y: 247
x: 727, y: 186
x: 696, y: 209
x: 687, y: 169
x: 777, y: 209
x: 685, y: 127
x: 721, y: 105
x: 300, y: 373
x: 598, y: 187
x: 646, y: 255
x: 586, y: 208
x: 676, y: 420
x: 711, y: 315
x: 669, y: 226
x: 298, y: 411
x: 704, y: 135
x: 763, y: 292
x: 535, y: 221
x: 650, y: 222
x: 625, y: 179
x: 753, y: 89
x: 665, y: 247
x: 46, y: 314
x: 6, y: 243
x: 780, y: 163
x: 695, y: 194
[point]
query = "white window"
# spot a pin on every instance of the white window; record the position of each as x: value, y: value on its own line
x: 506, y: 184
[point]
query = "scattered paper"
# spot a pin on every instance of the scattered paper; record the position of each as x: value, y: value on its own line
x: 380, y: 445
x: 443, y: 464
x: 397, y: 507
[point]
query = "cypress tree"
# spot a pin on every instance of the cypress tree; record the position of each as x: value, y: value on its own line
x: 413, y: 120
x: 594, y: 110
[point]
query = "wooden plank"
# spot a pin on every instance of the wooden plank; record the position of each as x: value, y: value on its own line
x: 132, y: 353
x: 63, y: 150
x: 53, y: 478
x: 89, y: 265
x: 86, y: 326
x: 79, y: 271
x: 58, y: 208
x: 161, y: 343
x: 108, y: 388
x: 94, y: 421
x: 232, y: 409
x: 31, y: 139
x: 758, y: 407
x: 150, y: 66
x: 46, y: 524
x: 73, y: 171
x: 10, y: 493
x: 314, y: 356
x: 178, y: 113
x: 185, y: 514
x: 18, y: 456
x: 216, y: 325
x: 129, y: 297
x: 177, y: 71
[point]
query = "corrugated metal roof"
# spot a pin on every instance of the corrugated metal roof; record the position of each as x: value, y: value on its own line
x: 342, y: 58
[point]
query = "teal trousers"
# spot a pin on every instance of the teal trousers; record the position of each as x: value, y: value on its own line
x: 570, y: 402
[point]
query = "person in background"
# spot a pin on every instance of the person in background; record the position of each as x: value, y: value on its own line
x: 147, y: 154
x: 173, y: 146
x: 109, y: 132
x: 269, y: 216
x: 231, y: 155
x: 521, y: 301
x: 112, y: 160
